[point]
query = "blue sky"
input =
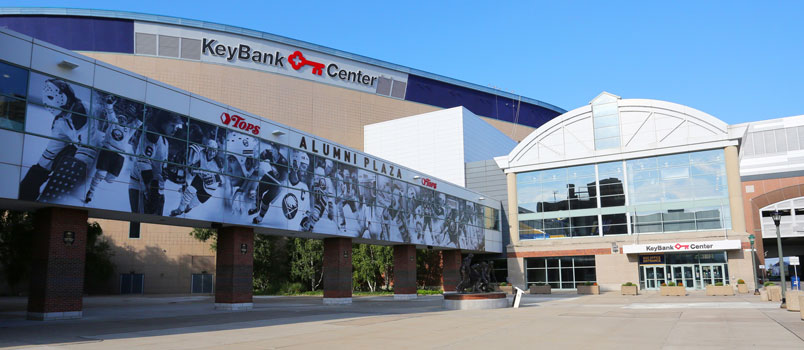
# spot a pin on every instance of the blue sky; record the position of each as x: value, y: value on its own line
x: 739, y: 61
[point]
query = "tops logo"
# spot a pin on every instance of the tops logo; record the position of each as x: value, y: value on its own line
x: 239, y: 122
x: 429, y: 183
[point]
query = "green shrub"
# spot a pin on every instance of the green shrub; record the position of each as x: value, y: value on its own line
x: 719, y: 284
x: 671, y: 284
x: 503, y: 284
x: 740, y: 281
x: 429, y: 292
x: 628, y: 284
x: 769, y: 284
x: 540, y: 284
x: 589, y: 283
x: 291, y: 288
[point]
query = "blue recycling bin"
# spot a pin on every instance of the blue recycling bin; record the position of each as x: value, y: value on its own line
x: 795, y: 282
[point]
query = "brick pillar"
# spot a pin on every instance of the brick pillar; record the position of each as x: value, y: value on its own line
x: 57, y: 268
x: 405, y: 271
x: 337, y: 270
x: 234, y: 269
x: 451, y: 275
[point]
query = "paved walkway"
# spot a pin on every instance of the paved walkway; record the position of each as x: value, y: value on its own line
x: 564, y: 321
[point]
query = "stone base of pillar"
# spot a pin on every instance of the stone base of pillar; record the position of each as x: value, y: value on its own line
x: 405, y: 296
x: 234, y: 306
x: 337, y: 301
x: 47, y: 316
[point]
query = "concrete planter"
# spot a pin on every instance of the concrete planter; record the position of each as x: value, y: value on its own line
x: 763, y: 295
x: 801, y: 302
x: 546, y: 289
x: 742, y: 288
x: 507, y: 289
x: 673, y: 291
x: 588, y: 289
x: 774, y: 293
x: 713, y: 290
x: 628, y: 290
x: 793, y: 300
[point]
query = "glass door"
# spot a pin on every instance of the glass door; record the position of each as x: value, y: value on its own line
x: 654, y: 276
x: 712, y: 274
x: 684, y: 274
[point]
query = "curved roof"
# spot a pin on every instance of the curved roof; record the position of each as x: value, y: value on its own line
x: 646, y: 128
x: 267, y: 36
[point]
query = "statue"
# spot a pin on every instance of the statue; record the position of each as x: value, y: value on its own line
x: 476, y: 276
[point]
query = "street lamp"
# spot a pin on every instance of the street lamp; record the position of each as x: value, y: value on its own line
x: 754, y: 264
x: 777, y: 219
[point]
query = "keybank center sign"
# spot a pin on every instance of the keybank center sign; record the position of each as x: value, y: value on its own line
x: 681, y: 247
x: 266, y: 55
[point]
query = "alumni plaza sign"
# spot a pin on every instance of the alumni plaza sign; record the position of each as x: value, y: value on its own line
x: 681, y: 246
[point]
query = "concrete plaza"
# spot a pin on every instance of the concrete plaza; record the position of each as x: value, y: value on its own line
x: 564, y: 321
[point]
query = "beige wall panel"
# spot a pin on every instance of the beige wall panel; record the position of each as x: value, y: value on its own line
x: 516, y: 272
x: 615, y: 269
x: 334, y: 113
x: 740, y: 267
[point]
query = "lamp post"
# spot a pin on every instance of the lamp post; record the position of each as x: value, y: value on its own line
x: 754, y: 265
x: 777, y: 219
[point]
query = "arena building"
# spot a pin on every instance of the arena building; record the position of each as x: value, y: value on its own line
x: 317, y: 90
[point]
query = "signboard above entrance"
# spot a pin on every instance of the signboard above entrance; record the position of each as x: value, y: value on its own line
x: 681, y: 247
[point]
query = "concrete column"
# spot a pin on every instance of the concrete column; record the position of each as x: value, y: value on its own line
x: 451, y: 275
x: 234, y: 268
x: 337, y: 270
x: 404, y: 272
x: 513, y: 209
x: 57, y: 268
x: 735, y: 191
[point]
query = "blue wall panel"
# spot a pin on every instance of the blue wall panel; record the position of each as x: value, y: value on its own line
x: 76, y: 33
x: 441, y: 94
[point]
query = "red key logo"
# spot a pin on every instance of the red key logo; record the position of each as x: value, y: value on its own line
x: 685, y: 246
x: 297, y: 61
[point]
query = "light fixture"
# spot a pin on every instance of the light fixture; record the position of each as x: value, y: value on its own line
x: 68, y: 65
x: 278, y: 132
x: 416, y: 177
x: 243, y: 248
x: 69, y: 237
x: 777, y: 217
x: 481, y: 198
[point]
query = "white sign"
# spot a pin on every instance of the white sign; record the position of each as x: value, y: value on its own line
x: 681, y: 247
x: 271, y: 56
x: 762, y: 267
x: 794, y: 260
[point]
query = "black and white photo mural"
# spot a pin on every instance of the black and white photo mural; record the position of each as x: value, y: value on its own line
x: 88, y: 148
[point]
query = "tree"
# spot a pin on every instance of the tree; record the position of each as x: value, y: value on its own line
x: 271, y: 267
x: 16, y: 245
x: 307, y: 257
x: 428, y: 268
x: 205, y: 234
x: 98, y: 267
x: 370, y: 264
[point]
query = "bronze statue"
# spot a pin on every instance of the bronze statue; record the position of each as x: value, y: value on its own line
x: 476, y: 276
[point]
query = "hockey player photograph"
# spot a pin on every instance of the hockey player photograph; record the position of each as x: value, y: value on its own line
x: 115, y: 122
x: 347, y: 201
x: 202, y: 174
x: 147, y: 185
x: 240, y: 182
x: 272, y: 187
x: 291, y: 207
x: 59, y: 112
x: 323, y: 214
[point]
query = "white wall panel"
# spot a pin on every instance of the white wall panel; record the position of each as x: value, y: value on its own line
x: 119, y: 83
x: 15, y: 50
x: 163, y: 97
x: 47, y: 60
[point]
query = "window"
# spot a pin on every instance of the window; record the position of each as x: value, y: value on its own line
x: 564, y: 272
x: 133, y: 230
x: 132, y: 283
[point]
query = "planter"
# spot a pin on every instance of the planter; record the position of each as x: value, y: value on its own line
x: 507, y: 289
x: 673, y: 291
x: 801, y: 302
x: 793, y: 300
x: 628, y: 290
x: 713, y: 290
x: 588, y: 289
x: 763, y: 295
x: 545, y: 289
x: 742, y: 288
x: 774, y: 293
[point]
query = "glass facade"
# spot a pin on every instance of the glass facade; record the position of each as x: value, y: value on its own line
x: 677, y: 192
x: 564, y: 272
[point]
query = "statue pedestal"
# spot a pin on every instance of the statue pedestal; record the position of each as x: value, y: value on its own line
x: 475, y: 301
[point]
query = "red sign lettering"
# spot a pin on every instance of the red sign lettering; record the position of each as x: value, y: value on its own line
x: 429, y: 183
x: 239, y: 122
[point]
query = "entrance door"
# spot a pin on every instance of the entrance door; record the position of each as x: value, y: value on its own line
x: 712, y: 274
x: 684, y: 274
x: 654, y: 276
